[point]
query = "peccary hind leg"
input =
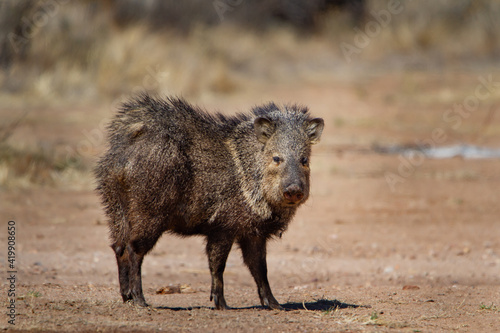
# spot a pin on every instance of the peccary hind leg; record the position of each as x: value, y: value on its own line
x: 135, y: 281
x: 123, y: 271
x: 254, y: 256
x: 129, y: 262
x: 218, y: 250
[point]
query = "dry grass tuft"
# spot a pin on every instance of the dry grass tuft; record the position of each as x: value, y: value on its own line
x: 24, y: 167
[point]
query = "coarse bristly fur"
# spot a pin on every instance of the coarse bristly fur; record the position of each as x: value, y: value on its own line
x: 172, y: 167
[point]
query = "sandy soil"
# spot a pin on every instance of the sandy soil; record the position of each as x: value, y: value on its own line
x: 423, y: 256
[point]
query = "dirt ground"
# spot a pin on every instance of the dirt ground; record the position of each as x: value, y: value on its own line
x: 420, y: 256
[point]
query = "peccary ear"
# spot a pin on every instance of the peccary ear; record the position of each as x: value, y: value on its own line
x: 314, y: 128
x: 264, y: 128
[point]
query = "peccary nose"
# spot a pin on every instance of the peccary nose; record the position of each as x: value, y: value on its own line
x: 293, y: 194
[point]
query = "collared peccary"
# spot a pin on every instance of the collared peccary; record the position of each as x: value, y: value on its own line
x: 174, y: 167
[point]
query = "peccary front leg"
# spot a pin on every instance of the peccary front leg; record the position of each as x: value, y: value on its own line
x: 254, y: 256
x: 218, y: 249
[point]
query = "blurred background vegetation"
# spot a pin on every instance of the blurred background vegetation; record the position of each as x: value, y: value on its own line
x: 68, y: 63
x: 82, y: 50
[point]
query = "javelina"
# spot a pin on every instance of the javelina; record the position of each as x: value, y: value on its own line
x: 173, y: 167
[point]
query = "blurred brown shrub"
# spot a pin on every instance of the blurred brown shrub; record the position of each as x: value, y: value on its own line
x: 88, y: 49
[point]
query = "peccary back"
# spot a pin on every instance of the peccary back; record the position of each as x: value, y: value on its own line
x: 173, y: 167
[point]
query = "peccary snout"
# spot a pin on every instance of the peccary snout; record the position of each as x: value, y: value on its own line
x: 293, y: 194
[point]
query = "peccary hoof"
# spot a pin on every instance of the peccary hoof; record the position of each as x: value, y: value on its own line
x: 141, y: 304
x: 220, y: 302
x: 275, y: 307
x: 137, y: 303
x: 222, y: 307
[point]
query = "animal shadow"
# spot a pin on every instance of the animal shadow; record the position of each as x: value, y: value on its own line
x: 317, y: 305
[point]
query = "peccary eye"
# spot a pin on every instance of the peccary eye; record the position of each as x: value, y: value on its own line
x: 304, y: 160
x: 276, y: 159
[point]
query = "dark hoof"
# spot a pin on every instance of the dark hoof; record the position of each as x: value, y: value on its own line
x: 220, y: 302
x: 141, y: 303
x: 138, y: 303
x: 222, y: 307
x: 271, y: 303
x: 126, y: 298
x: 275, y: 307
